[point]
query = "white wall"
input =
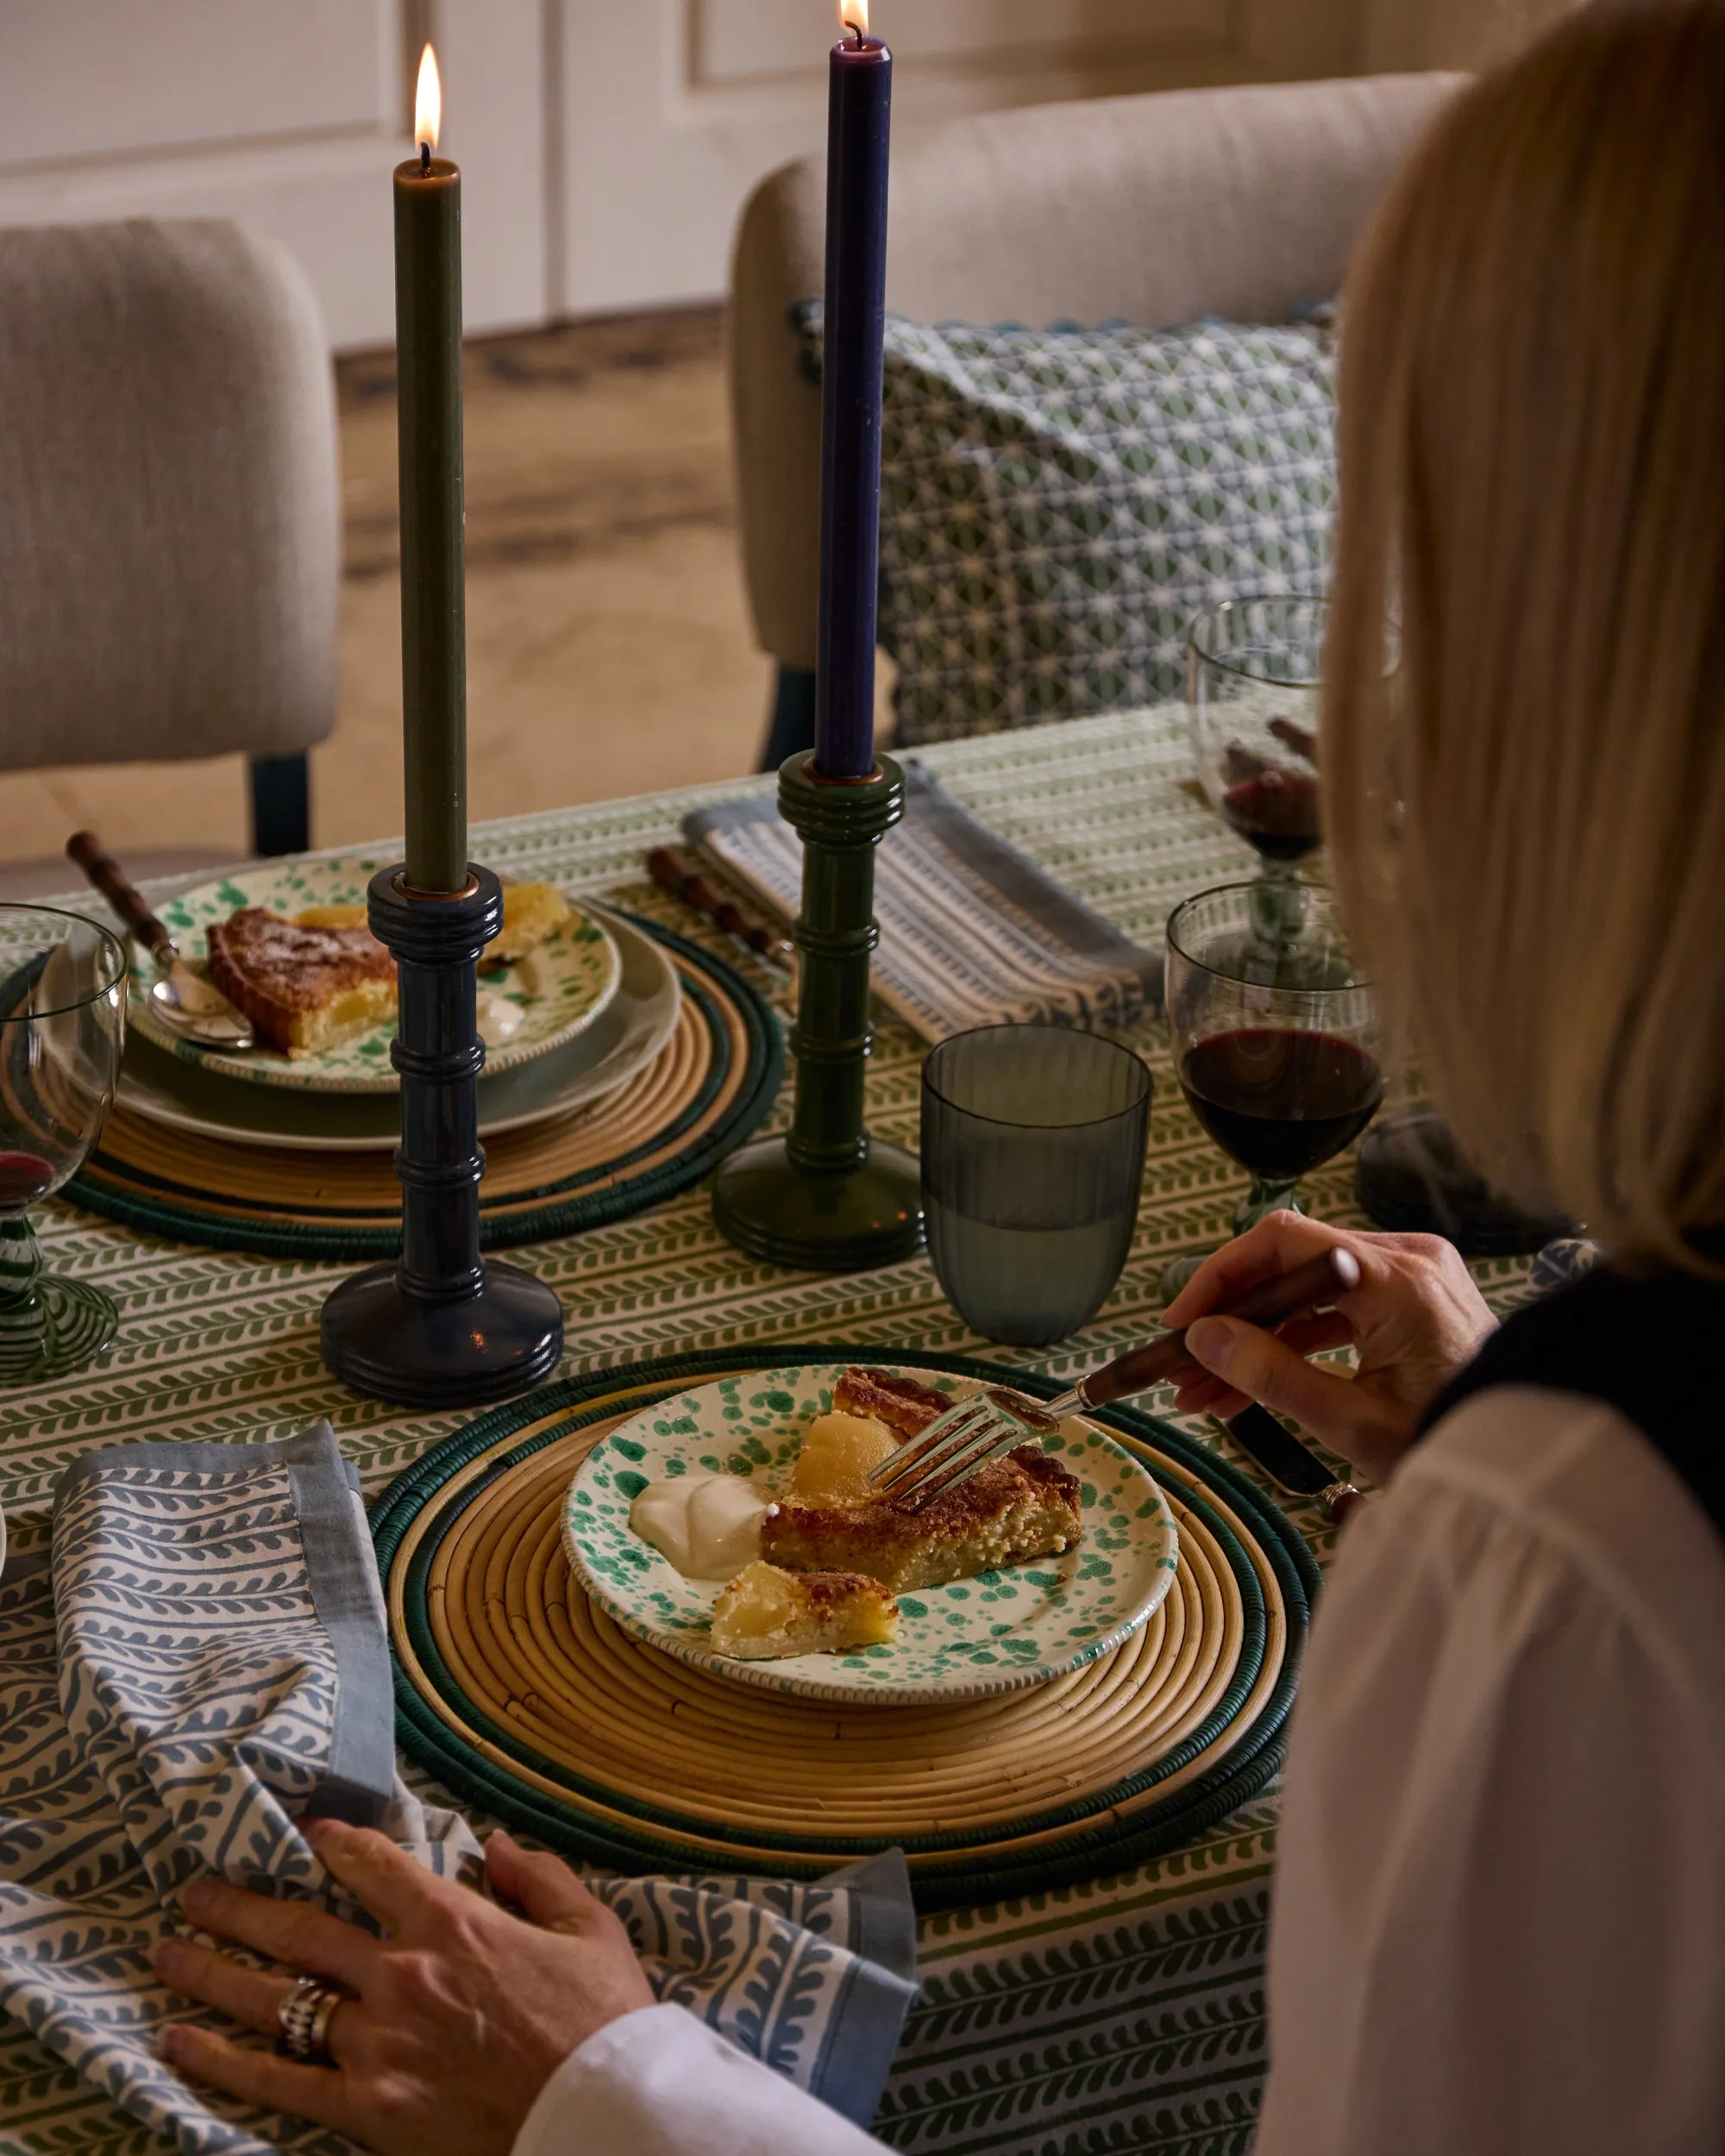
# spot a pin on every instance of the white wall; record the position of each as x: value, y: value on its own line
x: 606, y: 144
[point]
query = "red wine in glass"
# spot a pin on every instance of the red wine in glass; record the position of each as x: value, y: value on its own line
x: 1279, y: 1100
x: 24, y: 1177
x: 1276, y: 812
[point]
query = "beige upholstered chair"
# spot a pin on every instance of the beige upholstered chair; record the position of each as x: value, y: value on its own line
x: 1153, y: 210
x: 169, y: 525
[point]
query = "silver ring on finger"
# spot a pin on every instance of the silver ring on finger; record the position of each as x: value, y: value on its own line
x: 302, y: 2015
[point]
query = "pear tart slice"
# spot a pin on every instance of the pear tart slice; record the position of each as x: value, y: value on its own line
x: 766, y: 1614
x: 306, y: 989
x: 1026, y: 1506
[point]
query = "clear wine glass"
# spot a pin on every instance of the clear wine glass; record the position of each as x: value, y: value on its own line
x: 62, y: 1027
x: 1253, y: 668
x: 1275, y: 1043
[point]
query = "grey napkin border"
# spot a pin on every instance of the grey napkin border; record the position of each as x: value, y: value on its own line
x: 1093, y: 943
x: 341, y: 1570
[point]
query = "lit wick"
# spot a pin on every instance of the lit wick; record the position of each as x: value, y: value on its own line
x: 425, y: 157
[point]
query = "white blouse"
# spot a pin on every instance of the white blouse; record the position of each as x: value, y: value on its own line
x: 1500, y: 1900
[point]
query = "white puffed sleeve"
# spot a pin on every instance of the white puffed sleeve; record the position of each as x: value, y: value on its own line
x: 659, y: 2083
x: 1499, y: 1925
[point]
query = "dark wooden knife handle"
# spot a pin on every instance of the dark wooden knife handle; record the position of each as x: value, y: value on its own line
x: 86, y: 849
x: 1320, y: 1279
x: 675, y: 873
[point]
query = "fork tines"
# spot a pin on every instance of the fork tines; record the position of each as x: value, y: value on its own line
x: 954, y: 1446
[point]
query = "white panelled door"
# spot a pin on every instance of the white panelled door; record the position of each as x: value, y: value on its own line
x: 672, y: 109
x: 288, y: 113
x: 607, y: 144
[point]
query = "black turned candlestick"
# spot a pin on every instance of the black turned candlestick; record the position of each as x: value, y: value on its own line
x: 825, y: 1196
x: 445, y: 1327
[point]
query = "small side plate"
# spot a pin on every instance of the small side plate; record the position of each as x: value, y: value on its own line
x: 1001, y: 1631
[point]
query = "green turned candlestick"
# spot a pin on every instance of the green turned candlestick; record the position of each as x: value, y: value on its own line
x: 434, y: 657
x: 826, y: 1197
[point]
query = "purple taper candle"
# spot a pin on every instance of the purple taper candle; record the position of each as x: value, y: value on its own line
x: 859, y: 127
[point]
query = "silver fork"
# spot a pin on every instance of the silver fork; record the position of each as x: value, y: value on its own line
x: 961, y: 1441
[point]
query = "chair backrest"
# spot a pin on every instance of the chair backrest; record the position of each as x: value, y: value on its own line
x: 169, y: 513
x: 1154, y: 210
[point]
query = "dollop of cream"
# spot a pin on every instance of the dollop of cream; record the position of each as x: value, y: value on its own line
x: 706, y: 1526
x: 497, y: 1017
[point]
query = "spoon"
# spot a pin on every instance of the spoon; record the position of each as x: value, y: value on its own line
x: 184, y: 1000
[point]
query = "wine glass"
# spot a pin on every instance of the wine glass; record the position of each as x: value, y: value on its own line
x: 1253, y: 666
x: 1276, y: 1044
x: 62, y: 1026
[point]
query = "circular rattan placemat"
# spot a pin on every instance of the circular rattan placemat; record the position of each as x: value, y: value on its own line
x: 523, y: 1697
x: 712, y: 1083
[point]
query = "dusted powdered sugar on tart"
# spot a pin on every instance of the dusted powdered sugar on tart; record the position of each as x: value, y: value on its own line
x: 306, y: 989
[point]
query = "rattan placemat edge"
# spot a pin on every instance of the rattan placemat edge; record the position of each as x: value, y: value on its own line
x: 840, y: 1848
x: 334, y: 1244
x: 1241, y: 1774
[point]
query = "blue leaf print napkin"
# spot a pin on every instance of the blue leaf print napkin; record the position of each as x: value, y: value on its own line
x: 203, y: 1662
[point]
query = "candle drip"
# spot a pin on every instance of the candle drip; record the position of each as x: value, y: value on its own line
x: 425, y: 159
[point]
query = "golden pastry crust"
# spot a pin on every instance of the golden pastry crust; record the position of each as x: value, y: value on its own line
x: 900, y: 1402
x: 1026, y: 1506
x: 306, y: 989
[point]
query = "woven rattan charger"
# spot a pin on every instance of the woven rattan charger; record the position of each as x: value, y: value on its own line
x: 711, y: 1085
x: 520, y: 1694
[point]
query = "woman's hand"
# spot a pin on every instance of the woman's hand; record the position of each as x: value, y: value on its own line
x: 1415, y: 1320
x: 462, y: 2013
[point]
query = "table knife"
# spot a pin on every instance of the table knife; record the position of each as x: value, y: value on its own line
x: 185, y: 999
x: 1289, y: 1464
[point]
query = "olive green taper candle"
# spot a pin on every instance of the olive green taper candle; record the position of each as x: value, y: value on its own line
x: 433, y: 645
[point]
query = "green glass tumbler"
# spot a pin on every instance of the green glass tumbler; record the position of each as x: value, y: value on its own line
x: 1032, y: 1160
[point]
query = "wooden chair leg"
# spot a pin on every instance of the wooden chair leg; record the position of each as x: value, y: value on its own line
x: 281, y: 805
x: 791, y: 726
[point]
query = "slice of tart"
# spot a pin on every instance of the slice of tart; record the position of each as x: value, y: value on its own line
x: 306, y: 989
x: 830, y: 1518
x: 532, y: 911
x: 1026, y: 1506
x: 766, y: 1614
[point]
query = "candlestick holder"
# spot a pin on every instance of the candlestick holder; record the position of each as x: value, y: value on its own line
x: 825, y: 1197
x: 445, y: 1327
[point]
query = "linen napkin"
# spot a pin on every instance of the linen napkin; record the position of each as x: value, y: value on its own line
x: 203, y: 1662
x: 972, y: 931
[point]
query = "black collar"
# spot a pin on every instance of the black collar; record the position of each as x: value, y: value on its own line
x: 1651, y: 1347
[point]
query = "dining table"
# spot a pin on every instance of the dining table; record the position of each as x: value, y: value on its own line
x: 1121, y: 2013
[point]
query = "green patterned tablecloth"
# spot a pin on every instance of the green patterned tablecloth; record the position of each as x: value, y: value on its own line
x: 1126, y: 2014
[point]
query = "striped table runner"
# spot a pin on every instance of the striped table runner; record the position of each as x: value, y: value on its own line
x: 1122, y: 2015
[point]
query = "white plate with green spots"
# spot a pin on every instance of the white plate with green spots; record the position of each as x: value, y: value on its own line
x: 526, y: 1008
x: 1001, y: 1631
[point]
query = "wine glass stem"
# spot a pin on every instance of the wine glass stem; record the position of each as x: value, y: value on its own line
x: 1278, y: 908
x: 21, y: 1265
x: 1265, y: 1197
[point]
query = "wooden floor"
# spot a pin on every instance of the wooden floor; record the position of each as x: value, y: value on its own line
x: 608, y: 646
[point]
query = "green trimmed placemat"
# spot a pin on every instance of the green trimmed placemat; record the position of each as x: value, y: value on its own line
x: 521, y: 1697
x: 713, y: 1084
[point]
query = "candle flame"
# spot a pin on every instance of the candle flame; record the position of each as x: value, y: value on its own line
x: 428, y: 101
x: 853, y: 15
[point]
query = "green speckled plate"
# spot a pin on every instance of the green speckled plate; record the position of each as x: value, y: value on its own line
x: 1001, y: 1631
x: 525, y: 1009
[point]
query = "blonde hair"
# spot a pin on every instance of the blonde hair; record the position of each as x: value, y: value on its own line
x: 1526, y: 806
